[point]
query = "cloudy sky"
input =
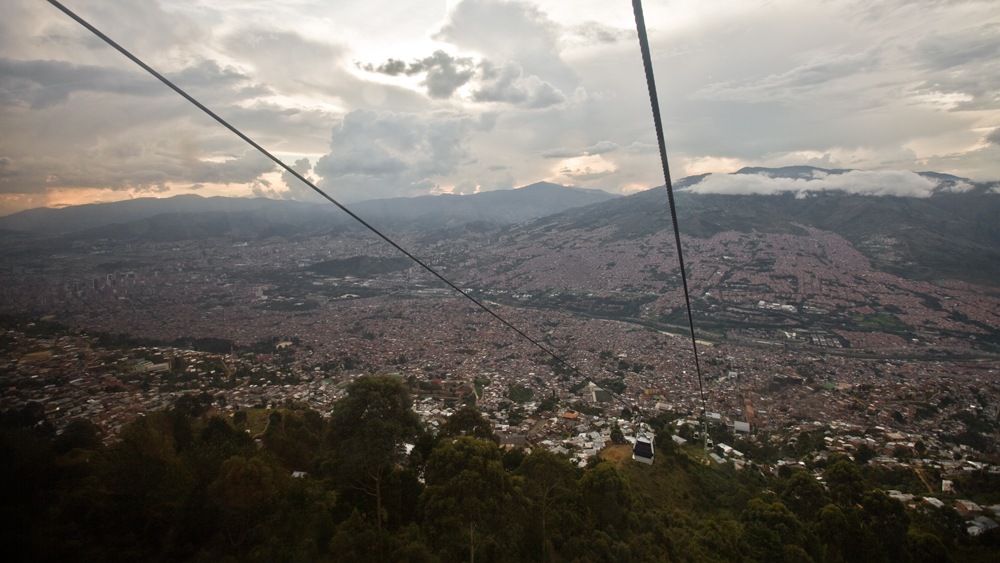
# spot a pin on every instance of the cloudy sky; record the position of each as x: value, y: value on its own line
x: 384, y: 99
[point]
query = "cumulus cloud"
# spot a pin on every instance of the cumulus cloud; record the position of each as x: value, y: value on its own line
x: 443, y: 73
x: 466, y: 187
x: 388, y: 154
x: 860, y: 182
x: 485, y: 182
x: 296, y: 189
x: 586, y: 168
x: 507, y: 84
x: 510, y: 30
x: 503, y: 181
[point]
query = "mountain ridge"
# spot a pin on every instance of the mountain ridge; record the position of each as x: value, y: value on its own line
x: 501, y: 206
x: 948, y: 234
x: 952, y: 232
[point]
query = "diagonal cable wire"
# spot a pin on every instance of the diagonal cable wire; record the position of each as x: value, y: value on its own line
x: 640, y: 25
x: 302, y: 178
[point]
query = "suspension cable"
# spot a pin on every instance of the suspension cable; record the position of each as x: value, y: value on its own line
x: 640, y: 25
x: 302, y: 178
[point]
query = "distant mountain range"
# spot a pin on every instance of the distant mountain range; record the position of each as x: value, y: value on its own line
x: 947, y: 235
x: 192, y: 216
x: 950, y: 234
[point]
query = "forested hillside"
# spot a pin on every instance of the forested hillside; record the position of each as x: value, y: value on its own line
x: 188, y: 484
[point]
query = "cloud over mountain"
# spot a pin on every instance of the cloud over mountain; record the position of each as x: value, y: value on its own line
x: 858, y: 182
x: 388, y: 154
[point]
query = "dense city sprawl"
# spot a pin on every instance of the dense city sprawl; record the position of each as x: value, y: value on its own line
x: 808, y: 356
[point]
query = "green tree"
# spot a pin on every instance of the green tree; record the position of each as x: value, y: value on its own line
x: 804, y: 495
x: 468, y: 421
x: 617, y: 436
x: 470, y: 500
x: 846, y: 483
x: 886, y: 518
x: 367, y: 428
x: 773, y: 533
x: 240, y: 418
x: 927, y: 548
x: 607, y: 497
x: 293, y: 440
x: 864, y: 454
x: 547, y: 479
x: 81, y: 433
x: 839, y: 533
x: 145, y: 479
x: 246, y: 489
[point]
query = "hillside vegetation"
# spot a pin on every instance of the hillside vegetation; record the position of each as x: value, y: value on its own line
x: 189, y: 485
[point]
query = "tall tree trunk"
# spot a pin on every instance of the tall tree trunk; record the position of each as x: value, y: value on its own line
x: 472, y: 542
x: 378, y: 511
x: 545, y: 513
